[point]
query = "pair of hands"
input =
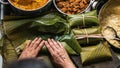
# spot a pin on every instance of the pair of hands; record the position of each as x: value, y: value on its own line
x: 57, y: 51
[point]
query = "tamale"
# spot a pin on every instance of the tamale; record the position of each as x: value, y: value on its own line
x: 9, y: 52
x: 71, y: 41
x: 84, y: 31
x: 51, y: 23
x: 88, y: 19
x: 95, y: 53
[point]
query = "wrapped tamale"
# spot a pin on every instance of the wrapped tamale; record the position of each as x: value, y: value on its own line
x: 85, y: 33
x: 88, y: 19
x: 51, y: 23
x: 95, y: 53
x: 9, y: 52
x: 71, y: 41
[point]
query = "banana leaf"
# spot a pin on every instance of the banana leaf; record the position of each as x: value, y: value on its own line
x: 110, y: 35
x: 95, y: 53
x: 47, y: 60
x: 87, y: 20
x: 70, y: 51
x: 47, y: 23
x: 89, y: 41
x: 1, y: 45
x: 9, y: 52
x: 50, y: 23
x: 23, y: 29
x: 71, y: 41
x: 84, y: 31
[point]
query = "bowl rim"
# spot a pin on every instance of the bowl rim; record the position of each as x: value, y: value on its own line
x: 91, y: 1
x: 30, y: 10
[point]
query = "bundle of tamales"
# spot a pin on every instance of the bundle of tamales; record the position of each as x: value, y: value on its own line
x: 84, y: 25
x: 87, y: 31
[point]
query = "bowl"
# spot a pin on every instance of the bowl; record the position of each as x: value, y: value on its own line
x: 22, y: 9
x: 72, y: 7
x: 109, y: 18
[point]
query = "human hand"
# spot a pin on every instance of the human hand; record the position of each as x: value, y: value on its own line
x: 32, y: 49
x: 59, y: 54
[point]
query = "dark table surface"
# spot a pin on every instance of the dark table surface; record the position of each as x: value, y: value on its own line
x: 113, y: 63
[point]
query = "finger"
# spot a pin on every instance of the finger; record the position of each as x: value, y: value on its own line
x: 32, y: 43
x: 51, y: 44
x: 40, y: 46
x: 37, y: 43
x: 48, y: 47
x: 60, y: 44
x: 28, y: 43
x: 55, y: 44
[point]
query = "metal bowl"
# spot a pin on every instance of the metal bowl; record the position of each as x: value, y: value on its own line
x: 19, y: 11
x: 109, y: 18
x: 88, y: 7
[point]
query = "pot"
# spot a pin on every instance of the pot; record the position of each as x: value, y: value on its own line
x: 109, y: 18
x: 19, y: 11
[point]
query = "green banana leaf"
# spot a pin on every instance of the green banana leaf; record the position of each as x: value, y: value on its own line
x: 47, y: 61
x: 88, y: 19
x: 71, y: 41
x: 92, y: 30
x: 89, y: 41
x: 21, y: 30
x: 70, y: 51
x: 50, y: 23
x: 95, y: 53
x: 9, y: 53
x: 1, y: 45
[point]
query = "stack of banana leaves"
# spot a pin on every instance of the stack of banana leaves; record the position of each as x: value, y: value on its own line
x: 67, y: 30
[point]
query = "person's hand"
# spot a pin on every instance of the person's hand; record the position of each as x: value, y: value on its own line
x: 59, y: 54
x: 32, y: 49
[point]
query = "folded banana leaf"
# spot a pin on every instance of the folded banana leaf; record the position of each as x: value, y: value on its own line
x: 1, y: 45
x: 9, y: 51
x: 47, y: 60
x: 88, y: 19
x: 51, y: 23
x: 84, y: 31
x: 70, y: 51
x: 89, y: 41
x: 95, y: 53
x: 23, y: 29
x: 110, y: 35
x: 71, y: 41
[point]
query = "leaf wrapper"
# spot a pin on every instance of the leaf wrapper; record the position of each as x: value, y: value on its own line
x: 9, y: 51
x: 86, y: 20
x: 95, y: 53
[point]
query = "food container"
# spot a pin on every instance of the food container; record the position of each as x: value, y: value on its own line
x: 109, y: 18
x: 87, y: 8
x: 19, y: 11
